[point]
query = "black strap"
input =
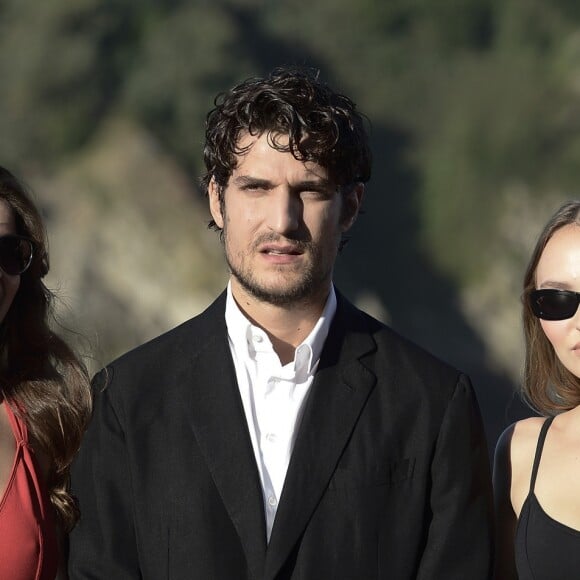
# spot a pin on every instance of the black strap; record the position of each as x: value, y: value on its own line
x: 539, y: 447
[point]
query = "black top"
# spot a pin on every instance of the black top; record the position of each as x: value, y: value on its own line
x: 545, y: 549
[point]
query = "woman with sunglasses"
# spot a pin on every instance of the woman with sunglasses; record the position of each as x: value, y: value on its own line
x: 44, y: 399
x: 537, y: 460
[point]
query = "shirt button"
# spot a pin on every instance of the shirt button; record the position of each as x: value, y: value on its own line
x: 272, y: 501
x: 258, y: 338
x: 271, y: 437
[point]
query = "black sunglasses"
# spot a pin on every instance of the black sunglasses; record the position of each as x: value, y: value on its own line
x: 552, y: 304
x: 15, y: 254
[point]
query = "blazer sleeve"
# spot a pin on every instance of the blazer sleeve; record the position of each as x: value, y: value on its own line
x: 459, y: 542
x: 102, y: 545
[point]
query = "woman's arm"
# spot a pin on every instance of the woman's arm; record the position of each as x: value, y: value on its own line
x: 505, y: 518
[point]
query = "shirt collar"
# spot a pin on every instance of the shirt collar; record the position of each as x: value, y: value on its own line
x: 307, y: 353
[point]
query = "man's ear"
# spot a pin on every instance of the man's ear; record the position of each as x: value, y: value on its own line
x: 215, y: 205
x: 352, y: 202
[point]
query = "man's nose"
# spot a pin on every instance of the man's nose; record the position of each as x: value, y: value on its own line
x: 285, y: 212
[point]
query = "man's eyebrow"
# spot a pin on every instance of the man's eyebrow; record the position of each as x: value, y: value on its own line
x: 318, y: 184
x: 245, y: 180
x: 315, y: 184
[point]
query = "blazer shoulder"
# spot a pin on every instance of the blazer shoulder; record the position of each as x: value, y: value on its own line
x: 184, y: 342
x: 395, y: 351
x: 409, y: 354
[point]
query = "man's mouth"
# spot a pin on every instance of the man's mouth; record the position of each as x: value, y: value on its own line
x: 281, y: 251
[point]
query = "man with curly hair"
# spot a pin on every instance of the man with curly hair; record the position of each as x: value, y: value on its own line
x: 283, y: 433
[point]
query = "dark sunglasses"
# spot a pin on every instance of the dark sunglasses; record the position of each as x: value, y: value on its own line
x: 15, y: 254
x: 551, y: 304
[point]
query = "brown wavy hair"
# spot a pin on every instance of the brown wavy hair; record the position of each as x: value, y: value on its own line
x: 548, y: 387
x: 40, y: 375
x: 322, y: 126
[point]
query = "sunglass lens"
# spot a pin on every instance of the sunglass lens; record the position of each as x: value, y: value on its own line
x: 15, y: 254
x: 554, y: 304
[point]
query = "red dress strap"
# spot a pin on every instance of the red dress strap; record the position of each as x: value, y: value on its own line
x: 28, y: 545
x: 19, y: 428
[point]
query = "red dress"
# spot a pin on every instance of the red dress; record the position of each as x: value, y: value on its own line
x: 28, y: 545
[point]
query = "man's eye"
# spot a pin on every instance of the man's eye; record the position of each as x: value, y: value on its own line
x: 253, y: 187
x: 316, y: 194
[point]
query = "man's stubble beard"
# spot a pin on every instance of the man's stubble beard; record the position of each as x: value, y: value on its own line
x: 307, y: 284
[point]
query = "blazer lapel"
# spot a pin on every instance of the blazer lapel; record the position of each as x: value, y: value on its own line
x: 221, y: 432
x: 341, y: 387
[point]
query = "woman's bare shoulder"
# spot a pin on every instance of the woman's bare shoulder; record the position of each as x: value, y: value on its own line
x: 528, y: 428
x: 524, y: 440
x: 514, y: 458
x: 520, y: 436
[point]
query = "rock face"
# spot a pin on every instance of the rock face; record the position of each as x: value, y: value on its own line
x: 131, y: 255
x: 130, y: 251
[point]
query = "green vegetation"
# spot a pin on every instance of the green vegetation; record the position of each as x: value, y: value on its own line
x: 484, y: 92
x: 473, y: 103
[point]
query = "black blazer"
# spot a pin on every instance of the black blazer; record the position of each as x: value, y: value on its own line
x: 389, y: 478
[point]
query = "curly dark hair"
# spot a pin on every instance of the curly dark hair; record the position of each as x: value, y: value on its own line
x: 40, y: 375
x: 320, y: 126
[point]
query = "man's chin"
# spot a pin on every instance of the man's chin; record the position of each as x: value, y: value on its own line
x: 279, y: 294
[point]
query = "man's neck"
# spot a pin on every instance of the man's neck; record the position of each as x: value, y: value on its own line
x: 286, y: 325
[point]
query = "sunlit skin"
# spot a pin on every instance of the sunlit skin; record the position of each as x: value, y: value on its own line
x: 559, y: 267
x: 282, y: 222
x: 559, y: 473
x: 8, y: 287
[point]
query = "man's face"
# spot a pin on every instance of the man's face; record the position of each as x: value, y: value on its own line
x: 282, y: 222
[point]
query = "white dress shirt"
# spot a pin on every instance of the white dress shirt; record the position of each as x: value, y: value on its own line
x: 273, y: 395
